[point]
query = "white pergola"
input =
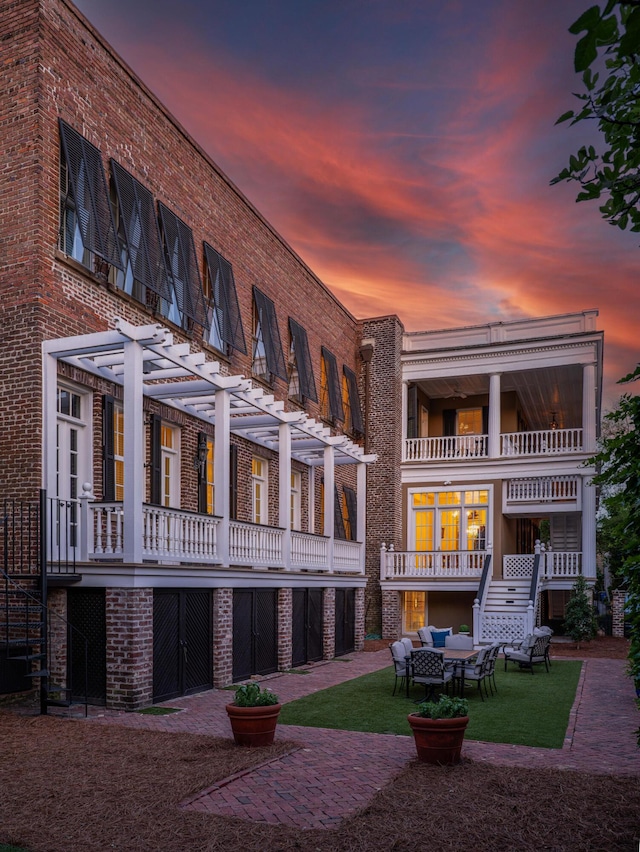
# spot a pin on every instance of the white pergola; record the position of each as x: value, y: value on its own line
x: 145, y: 361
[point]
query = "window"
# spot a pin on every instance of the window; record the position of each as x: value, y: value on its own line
x: 449, y: 520
x: 170, y: 468
x: 414, y: 611
x: 184, y: 305
x: 301, y: 380
x: 206, y: 493
x: 268, y: 359
x: 145, y: 273
x: 72, y: 464
x: 330, y: 389
x: 470, y: 421
x: 350, y: 513
x: 296, y: 501
x: 351, y: 402
x: 87, y: 229
x: 260, y: 496
x: 223, y: 312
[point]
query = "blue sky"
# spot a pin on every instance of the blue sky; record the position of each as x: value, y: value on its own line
x: 404, y: 149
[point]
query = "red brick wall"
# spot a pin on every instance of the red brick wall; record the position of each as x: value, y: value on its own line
x: 222, y: 637
x: 129, y: 622
x: 285, y: 628
x: 329, y: 624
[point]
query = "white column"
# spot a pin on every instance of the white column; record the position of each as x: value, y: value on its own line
x: 133, y: 453
x: 329, y: 484
x: 312, y: 499
x: 221, y: 471
x: 404, y: 417
x: 361, y: 514
x: 49, y: 420
x: 494, y: 415
x: 588, y: 527
x: 284, y: 495
x: 589, y: 408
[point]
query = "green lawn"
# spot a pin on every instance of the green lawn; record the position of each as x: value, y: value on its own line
x: 528, y: 709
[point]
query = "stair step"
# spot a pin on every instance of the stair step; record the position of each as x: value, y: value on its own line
x: 29, y: 657
x: 23, y: 625
x: 39, y: 673
x: 26, y: 640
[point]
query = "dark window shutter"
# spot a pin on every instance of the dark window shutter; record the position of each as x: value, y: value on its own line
x: 303, y: 360
x: 336, y: 410
x: 224, y: 299
x: 270, y: 334
x: 352, y: 511
x: 354, y: 400
x: 485, y: 419
x: 88, y: 185
x: 202, y: 478
x: 183, y: 266
x: 140, y: 225
x: 156, y: 460
x: 338, y: 520
x: 448, y: 422
x: 233, y: 482
x: 412, y: 411
x: 108, y: 450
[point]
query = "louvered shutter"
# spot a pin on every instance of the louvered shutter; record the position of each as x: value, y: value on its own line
x: 336, y: 410
x: 224, y: 299
x: 352, y: 511
x: 183, y: 266
x: 303, y: 360
x: 412, y: 411
x: 338, y: 520
x: 202, y: 477
x: 270, y: 334
x: 448, y: 422
x: 88, y: 186
x: 156, y: 460
x: 354, y: 400
x: 140, y: 224
x: 233, y: 482
x: 108, y: 450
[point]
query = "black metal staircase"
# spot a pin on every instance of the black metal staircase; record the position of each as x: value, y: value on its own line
x: 25, y: 651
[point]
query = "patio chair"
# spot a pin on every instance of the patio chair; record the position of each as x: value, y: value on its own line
x: 408, y: 644
x: 426, y: 636
x: 491, y: 660
x: 545, y: 631
x: 535, y: 651
x: 459, y: 642
x: 400, y: 663
x: 477, y: 671
x: 428, y: 667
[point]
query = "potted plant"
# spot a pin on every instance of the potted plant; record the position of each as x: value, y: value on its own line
x: 464, y: 630
x: 253, y: 715
x: 438, y: 729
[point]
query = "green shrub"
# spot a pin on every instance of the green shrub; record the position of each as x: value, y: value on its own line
x: 250, y: 695
x: 445, y: 708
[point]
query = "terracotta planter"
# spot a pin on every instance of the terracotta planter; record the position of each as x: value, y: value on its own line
x: 253, y: 726
x: 438, y: 741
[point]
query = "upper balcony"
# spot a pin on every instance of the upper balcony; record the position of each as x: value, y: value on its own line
x: 543, y: 442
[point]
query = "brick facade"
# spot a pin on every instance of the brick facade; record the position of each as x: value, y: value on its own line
x: 129, y: 623
x: 617, y: 613
x: 222, y: 637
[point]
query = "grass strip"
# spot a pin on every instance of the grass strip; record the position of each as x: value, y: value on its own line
x: 156, y: 711
x: 528, y: 709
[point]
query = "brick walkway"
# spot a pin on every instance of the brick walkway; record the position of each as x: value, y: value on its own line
x: 334, y: 773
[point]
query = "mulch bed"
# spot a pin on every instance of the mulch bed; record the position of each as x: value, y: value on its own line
x: 70, y: 786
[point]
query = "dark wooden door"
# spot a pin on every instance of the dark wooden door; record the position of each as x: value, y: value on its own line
x: 307, y: 626
x: 87, y: 616
x: 181, y: 642
x: 255, y: 637
x: 345, y: 621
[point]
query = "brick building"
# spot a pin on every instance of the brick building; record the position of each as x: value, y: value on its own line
x: 198, y: 414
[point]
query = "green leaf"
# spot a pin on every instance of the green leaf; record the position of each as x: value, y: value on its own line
x: 565, y: 116
x: 586, y: 21
x: 586, y: 52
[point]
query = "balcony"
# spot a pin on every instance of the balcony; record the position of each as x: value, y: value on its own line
x: 544, y: 442
x: 93, y: 531
x: 427, y: 564
x: 554, y: 565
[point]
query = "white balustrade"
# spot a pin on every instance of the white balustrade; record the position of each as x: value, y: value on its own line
x: 563, y: 563
x: 449, y: 447
x: 515, y: 565
x: 457, y: 563
x: 541, y: 443
x: 543, y: 489
x: 346, y: 555
x: 309, y: 551
x: 252, y: 544
x: 503, y: 627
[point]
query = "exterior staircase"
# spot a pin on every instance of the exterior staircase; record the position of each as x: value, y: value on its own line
x: 506, y: 615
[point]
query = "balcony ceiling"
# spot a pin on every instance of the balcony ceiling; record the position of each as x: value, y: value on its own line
x: 542, y: 393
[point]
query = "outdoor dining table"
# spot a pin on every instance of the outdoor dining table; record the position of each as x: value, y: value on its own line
x: 457, y: 656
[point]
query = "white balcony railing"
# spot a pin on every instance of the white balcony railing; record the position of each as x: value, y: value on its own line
x: 309, y: 551
x: 346, y: 555
x: 544, y: 489
x: 450, y: 447
x: 252, y: 544
x: 541, y: 443
x: 396, y: 564
x: 555, y: 563
x: 546, y: 442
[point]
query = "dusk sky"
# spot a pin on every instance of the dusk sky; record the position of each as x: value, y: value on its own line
x: 404, y: 149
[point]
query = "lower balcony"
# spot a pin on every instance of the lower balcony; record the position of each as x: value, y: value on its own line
x: 84, y: 531
x: 427, y: 564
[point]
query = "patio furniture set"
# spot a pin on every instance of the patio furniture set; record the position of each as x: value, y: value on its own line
x: 445, y: 659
